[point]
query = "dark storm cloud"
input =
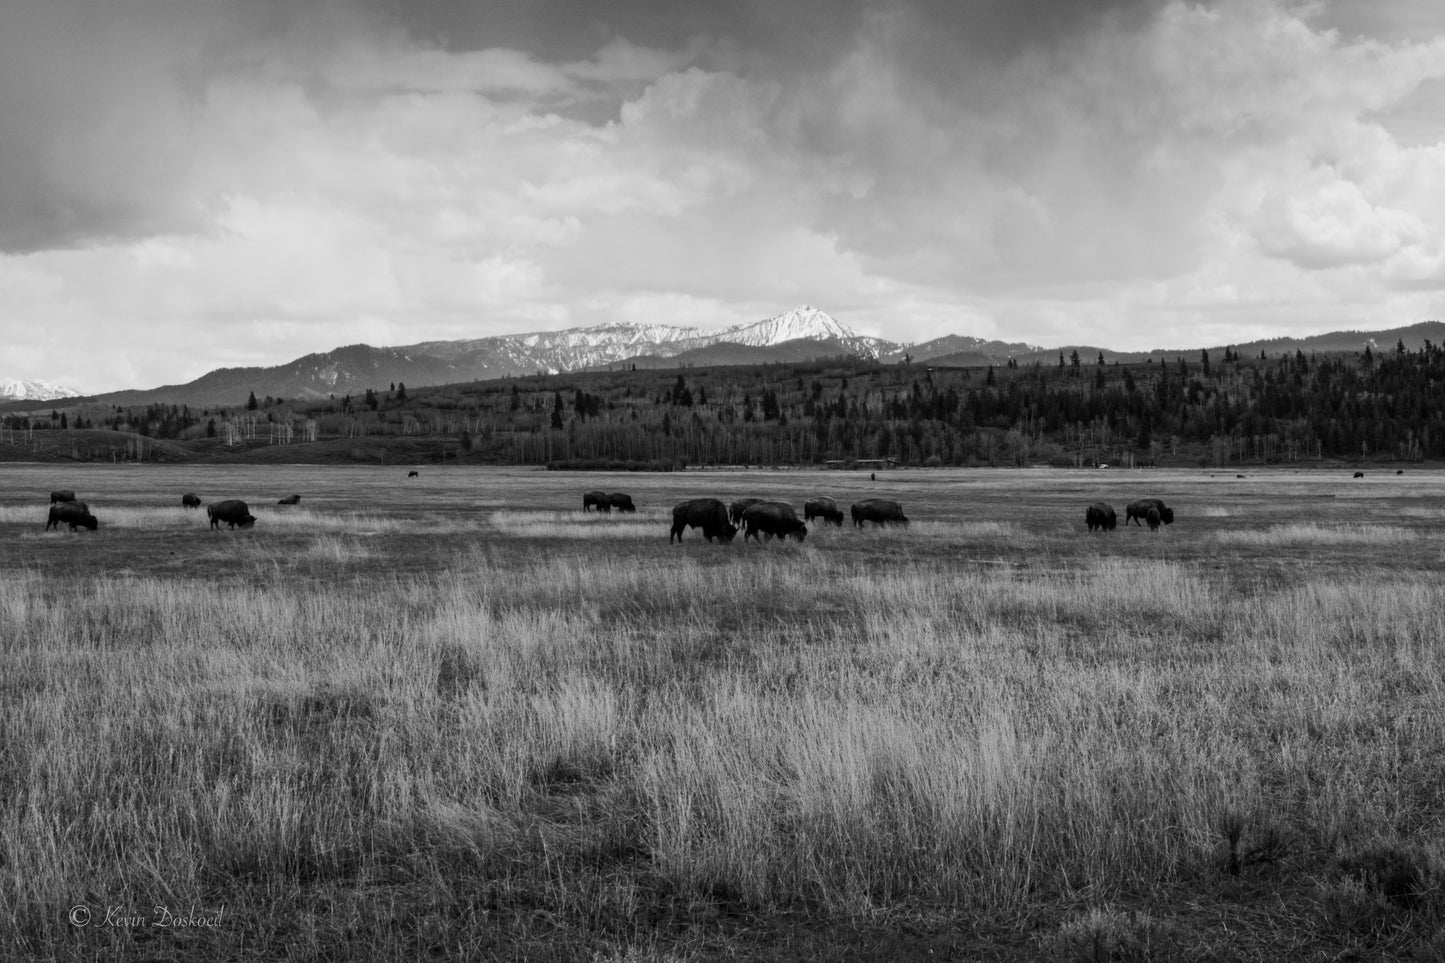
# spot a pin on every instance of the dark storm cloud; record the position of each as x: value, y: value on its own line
x: 938, y: 35
x: 98, y: 99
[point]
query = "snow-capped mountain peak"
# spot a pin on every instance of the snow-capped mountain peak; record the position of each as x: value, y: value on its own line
x: 804, y: 322
x: 34, y: 391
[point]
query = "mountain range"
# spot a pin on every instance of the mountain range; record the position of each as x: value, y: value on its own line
x: 802, y: 334
x: 34, y: 391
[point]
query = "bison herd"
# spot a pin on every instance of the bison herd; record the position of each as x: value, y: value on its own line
x: 66, y: 510
x: 604, y: 502
x: 763, y: 520
x: 1101, y: 517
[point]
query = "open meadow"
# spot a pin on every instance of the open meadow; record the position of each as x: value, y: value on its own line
x: 454, y: 717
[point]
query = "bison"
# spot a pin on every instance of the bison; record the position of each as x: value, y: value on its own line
x: 598, y: 500
x: 1101, y: 516
x: 1138, y: 511
x: 773, y: 518
x: 708, y: 514
x: 879, y: 511
x: 1153, y: 518
x: 190, y: 500
x: 72, y: 513
x: 823, y: 507
x: 1358, y: 474
x: 290, y: 500
x: 61, y: 496
x: 412, y: 474
x: 232, y: 511
x: 736, y: 509
x: 622, y: 502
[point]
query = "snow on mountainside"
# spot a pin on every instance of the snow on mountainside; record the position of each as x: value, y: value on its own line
x: 34, y: 391
x: 805, y: 322
x: 578, y: 348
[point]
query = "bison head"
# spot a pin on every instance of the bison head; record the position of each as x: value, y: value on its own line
x: 728, y: 532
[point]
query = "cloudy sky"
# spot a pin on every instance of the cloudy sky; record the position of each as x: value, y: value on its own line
x: 190, y: 184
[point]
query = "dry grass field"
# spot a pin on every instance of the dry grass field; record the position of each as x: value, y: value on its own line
x: 453, y: 717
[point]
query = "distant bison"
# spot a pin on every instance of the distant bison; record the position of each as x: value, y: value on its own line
x: 61, y: 497
x: 597, y: 500
x: 879, y: 511
x: 412, y: 474
x: 736, y: 509
x: 823, y: 507
x: 621, y: 502
x: 190, y: 500
x: 1358, y: 474
x: 232, y: 511
x: 773, y: 518
x: 290, y: 500
x: 72, y: 513
x: 1138, y: 511
x: 1101, y: 516
x: 708, y: 514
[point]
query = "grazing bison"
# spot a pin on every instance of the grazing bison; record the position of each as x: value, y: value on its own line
x: 823, y: 507
x: 412, y: 474
x: 708, y: 514
x: 1153, y: 518
x: 72, y: 513
x: 596, y: 500
x: 879, y: 511
x: 773, y: 518
x: 736, y: 509
x: 61, y: 497
x: 232, y: 511
x: 1138, y: 511
x: 290, y: 500
x: 190, y: 500
x: 1358, y: 474
x: 1101, y: 516
x: 621, y: 502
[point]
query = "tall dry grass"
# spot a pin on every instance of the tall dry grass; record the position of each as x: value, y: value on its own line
x: 776, y: 728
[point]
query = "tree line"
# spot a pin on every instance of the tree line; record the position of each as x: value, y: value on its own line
x: 1200, y: 409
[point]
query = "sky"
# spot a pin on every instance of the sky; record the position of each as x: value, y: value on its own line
x: 194, y: 184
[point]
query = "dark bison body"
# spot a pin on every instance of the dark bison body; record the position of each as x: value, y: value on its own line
x: 879, y: 511
x: 823, y: 507
x: 61, y: 497
x: 290, y: 500
x: 190, y: 500
x: 1358, y: 474
x: 708, y: 514
x: 773, y: 518
x: 597, y: 500
x: 72, y: 513
x: 1101, y: 516
x: 621, y: 501
x: 1138, y: 511
x: 736, y: 509
x: 232, y: 511
x: 412, y: 474
x: 1153, y: 518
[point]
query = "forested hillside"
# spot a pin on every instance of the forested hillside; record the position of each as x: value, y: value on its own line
x: 1201, y: 410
